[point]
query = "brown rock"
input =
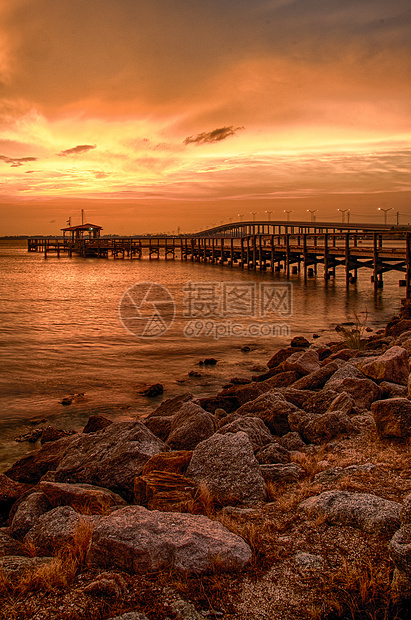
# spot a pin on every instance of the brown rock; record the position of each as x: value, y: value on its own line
x: 163, y: 490
x: 273, y: 453
x: 31, y: 468
x: 96, y: 423
x: 390, y: 366
x: 273, y: 409
x: 392, y: 418
x: 10, y: 491
x: 280, y: 356
x: 189, y: 426
x: 27, y: 514
x: 84, y: 498
x: 228, y: 467
x: 299, y: 341
x: 257, y: 432
x: 304, y: 362
x: 160, y: 426
x: 174, y: 462
x: 138, y: 540
x: 282, y: 473
x: 171, y: 406
x: 292, y: 441
x: 9, y: 546
x: 52, y: 434
x: 320, y: 401
x: 317, y: 379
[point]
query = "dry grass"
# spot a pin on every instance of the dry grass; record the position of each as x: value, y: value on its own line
x: 357, y: 592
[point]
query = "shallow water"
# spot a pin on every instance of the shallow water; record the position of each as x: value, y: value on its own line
x: 61, y: 331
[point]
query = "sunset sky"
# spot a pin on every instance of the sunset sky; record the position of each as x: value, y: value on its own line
x: 154, y: 114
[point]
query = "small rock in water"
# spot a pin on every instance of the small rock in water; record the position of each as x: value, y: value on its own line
x: 31, y: 437
x: 153, y: 390
x: 299, y: 341
x: 209, y: 361
x: 73, y: 398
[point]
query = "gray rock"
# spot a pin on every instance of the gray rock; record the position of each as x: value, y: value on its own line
x: 135, y: 539
x: 189, y: 426
x: 309, y: 561
x: 171, y: 406
x: 392, y: 418
x: 369, y: 513
x: 257, y: 432
x: 290, y: 472
x: 110, y: 458
x: 335, y: 473
x: 13, y: 567
x: 228, y: 467
x: 321, y: 428
x: 185, y: 611
x: 297, y: 397
x: 27, y: 514
x: 55, y: 528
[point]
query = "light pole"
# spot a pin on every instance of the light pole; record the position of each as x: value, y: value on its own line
x: 385, y: 213
x: 343, y: 212
x: 253, y: 213
x: 269, y: 215
x: 288, y: 214
x: 240, y: 215
x: 312, y: 211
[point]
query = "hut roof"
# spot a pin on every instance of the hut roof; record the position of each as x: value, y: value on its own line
x: 82, y: 227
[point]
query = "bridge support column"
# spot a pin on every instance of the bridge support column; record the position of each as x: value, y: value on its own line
x: 408, y: 273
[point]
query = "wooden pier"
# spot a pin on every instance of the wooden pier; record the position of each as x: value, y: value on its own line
x: 291, y: 247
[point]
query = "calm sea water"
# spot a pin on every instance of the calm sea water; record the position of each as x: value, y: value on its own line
x: 61, y: 332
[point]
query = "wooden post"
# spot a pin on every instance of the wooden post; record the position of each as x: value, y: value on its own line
x: 287, y: 254
x: 272, y: 253
x: 254, y: 252
x: 375, y: 261
x: 408, y: 274
x: 347, y: 259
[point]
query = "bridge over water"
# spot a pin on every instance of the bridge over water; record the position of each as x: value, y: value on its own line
x: 291, y: 247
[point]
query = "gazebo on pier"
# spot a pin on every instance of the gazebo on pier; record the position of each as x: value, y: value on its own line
x: 83, y: 231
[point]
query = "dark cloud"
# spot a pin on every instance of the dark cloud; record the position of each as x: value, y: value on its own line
x: 76, y: 150
x: 216, y: 135
x: 16, y: 161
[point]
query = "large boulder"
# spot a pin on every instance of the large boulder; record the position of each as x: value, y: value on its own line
x: 31, y: 468
x: 82, y: 497
x: 392, y: 418
x: 303, y: 362
x: 317, y: 379
x: 369, y: 513
x: 189, y: 426
x: 281, y: 355
x: 175, y: 462
x: 283, y: 473
x: 257, y: 432
x: 273, y: 453
x: 227, y: 466
x: 110, y: 458
x: 10, y: 491
x: 56, y: 528
x: 160, y: 426
x: 320, y: 401
x: 273, y: 409
x: 350, y: 379
x: 137, y: 540
x: 171, y: 406
x: 28, y: 512
x: 321, y: 428
x: 8, y: 545
x: 391, y: 366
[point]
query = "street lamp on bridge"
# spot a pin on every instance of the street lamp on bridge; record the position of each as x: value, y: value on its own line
x: 288, y: 214
x: 253, y: 213
x: 385, y: 213
x: 343, y: 212
x: 269, y: 215
x: 240, y: 215
x: 312, y: 211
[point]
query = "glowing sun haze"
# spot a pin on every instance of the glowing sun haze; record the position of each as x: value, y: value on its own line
x: 154, y: 115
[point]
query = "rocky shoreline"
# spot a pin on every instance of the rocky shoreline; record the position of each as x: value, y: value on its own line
x: 287, y: 497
